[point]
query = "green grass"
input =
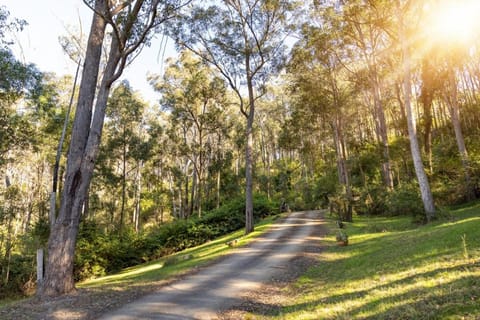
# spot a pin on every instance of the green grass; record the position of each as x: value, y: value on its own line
x: 392, y: 269
x: 176, y: 264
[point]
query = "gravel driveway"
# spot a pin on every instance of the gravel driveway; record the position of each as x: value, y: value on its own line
x: 221, y: 286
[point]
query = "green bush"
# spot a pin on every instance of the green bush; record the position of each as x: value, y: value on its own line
x: 371, y: 201
x: 326, y: 186
x: 21, y: 266
x: 98, y: 253
x: 405, y: 200
x: 90, y: 260
x: 21, y: 276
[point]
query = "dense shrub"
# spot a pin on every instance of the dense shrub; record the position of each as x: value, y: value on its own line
x: 21, y: 276
x: 405, y: 200
x: 371, y: 201
x: 98, y: 253
x: 326, y: 186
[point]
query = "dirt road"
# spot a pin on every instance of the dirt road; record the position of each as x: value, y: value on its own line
x: 220, y: 286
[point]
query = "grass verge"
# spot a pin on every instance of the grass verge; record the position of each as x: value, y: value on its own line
x: 392, y: 269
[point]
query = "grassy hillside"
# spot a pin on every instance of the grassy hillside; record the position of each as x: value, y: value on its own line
x: 395, y: 270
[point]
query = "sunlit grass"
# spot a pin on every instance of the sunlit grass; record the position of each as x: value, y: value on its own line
x: 393, y: 269
x: 179, y: 263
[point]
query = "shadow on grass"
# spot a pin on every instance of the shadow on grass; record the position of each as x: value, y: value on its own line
x: 439, y: 278
x: 415, y: 247
x: 456, y: 298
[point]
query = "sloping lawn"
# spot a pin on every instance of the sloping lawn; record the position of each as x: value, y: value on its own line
x: 393, y: 269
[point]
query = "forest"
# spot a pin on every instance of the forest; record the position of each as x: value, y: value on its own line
x: 366, y: 108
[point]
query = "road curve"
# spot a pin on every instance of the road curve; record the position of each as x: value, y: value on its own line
x: 219, y: 286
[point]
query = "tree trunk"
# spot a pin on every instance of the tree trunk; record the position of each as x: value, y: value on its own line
x: 382, y: 128
x: 462, y: 149
x: 185, y: 206
x: 138, y: 197
x: 193, y: 192
x: 219, y: 168
x: 269, y: 178
x: 249, y: 227
x: 398, y: 94
x: 427, y: 98
x: 199, y: 168
x: 61, y: 244
x: 172, y: 195
x: 425, y: 191
x: 218, y: 188
x: 124, y: 183
x: 85, y: 141
x: 86, y: 206
x: 345, y: 213
x: 199, y: 193
x: 8, y: 246
x: 341, y: 168
x: 249, y: 178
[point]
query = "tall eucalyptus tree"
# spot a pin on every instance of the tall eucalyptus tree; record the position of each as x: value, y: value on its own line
x: 363, y: 29
x: 123, y: 144
x: 132, y: 24
x: 319, y: 86
x: 403, y: 8
x: 244, y: 40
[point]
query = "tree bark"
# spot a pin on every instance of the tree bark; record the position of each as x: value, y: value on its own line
x: 218, y: 188
x: 346, y: 213
x: 452, y: 102
x: 382, y: 128
x: 61, y: 245
x: 425, y: 191
x: 193, y: 191
x: 427, y: 99
x: 138, y: 197
x: 124, y: 181
x: 249, y: 226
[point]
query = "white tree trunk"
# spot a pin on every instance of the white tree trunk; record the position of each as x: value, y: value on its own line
x: 425, y: 191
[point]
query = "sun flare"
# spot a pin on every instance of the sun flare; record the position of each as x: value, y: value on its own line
x: 454, y: 20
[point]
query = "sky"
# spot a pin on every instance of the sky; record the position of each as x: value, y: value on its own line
x: 48, y: 19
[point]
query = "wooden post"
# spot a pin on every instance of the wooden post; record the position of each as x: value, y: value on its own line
x: 39, y: 266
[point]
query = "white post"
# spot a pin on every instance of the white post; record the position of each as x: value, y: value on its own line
x: 39, y: 266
